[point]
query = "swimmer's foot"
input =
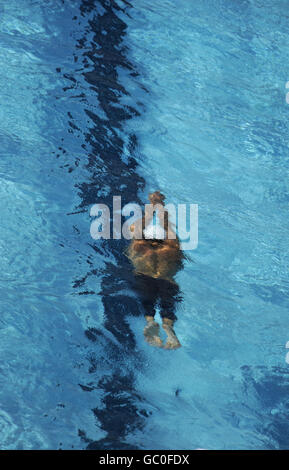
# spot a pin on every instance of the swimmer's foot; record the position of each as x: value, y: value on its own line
x: 151, y: 333
x: 172, y: 340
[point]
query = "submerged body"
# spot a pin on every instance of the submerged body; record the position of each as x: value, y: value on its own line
x: 160, y: 259
x: 156, y: 262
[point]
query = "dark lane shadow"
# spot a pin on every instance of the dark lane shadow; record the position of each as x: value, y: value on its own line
x: 100, y: 57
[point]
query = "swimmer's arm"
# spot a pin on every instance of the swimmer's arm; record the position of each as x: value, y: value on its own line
x: 137, y: 226
x: 172, y: 238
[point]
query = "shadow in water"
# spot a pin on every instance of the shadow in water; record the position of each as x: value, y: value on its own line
x: 101, y: 57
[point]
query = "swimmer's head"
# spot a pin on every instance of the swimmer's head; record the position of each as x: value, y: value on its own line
x: 157, y: 198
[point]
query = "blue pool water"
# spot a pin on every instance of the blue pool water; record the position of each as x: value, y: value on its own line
x: 103, y: 98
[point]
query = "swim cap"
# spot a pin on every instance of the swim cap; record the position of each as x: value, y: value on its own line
x: 154, y: 231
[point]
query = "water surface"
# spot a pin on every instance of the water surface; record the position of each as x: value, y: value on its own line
x: 115, y: 98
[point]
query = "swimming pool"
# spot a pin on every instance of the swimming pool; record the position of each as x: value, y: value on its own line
x: 110, y: 98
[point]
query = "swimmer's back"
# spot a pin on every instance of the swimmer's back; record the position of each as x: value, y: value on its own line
x: 160, y: 260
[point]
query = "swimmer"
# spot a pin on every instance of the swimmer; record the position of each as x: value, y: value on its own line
x: 156, y: 259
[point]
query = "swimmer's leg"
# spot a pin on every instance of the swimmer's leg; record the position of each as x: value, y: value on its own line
x: 172, y: 339
x: 169, y: 298
x: 146, y: 288
x: 152, y: 332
